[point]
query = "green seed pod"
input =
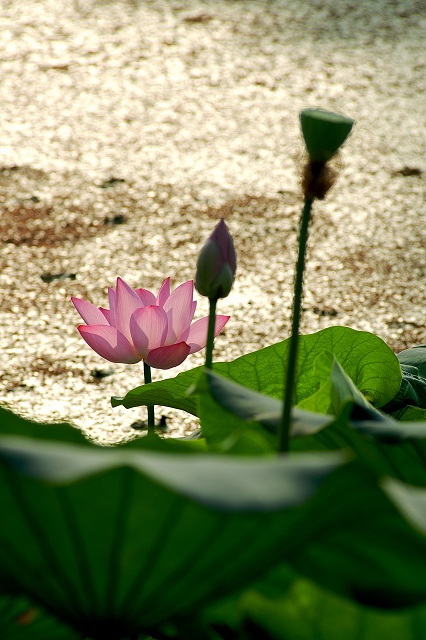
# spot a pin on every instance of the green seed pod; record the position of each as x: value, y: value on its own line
x: 324, y: 133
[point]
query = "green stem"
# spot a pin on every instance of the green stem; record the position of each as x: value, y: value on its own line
x: 150, y: 407
x: 210, y: 332
x: 285, y: 424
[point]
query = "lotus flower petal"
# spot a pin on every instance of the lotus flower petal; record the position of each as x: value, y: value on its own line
x: 107, y: 314
x: 111, y: 300
x: 148, y: 328
x: 141, y: 326
x: 126, y: 302
x: 146, y: 297
x: 179, y: 310
x: 121, y: 284
x: 196, y: 334
x: 168, y: 357
x: 109, y: 343
x: 88, y: 311
x: 224, y: 242
x: 163, y: 293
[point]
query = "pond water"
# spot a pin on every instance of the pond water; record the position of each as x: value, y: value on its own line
x: 129, y: 128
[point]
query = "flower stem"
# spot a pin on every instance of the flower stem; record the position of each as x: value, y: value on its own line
x: 285, y: 423
x: 210, y: 332
x: 150, y: 407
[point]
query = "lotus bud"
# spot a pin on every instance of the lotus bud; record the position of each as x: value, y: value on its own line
x: 324, y: 133
x: 217, y: 264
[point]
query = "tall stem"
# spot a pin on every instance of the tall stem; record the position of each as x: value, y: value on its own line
x: 285, y: 424
x: 210, y: 332
x: 150, y: 407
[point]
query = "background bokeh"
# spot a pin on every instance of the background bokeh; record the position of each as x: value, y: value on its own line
x: 129, y: 127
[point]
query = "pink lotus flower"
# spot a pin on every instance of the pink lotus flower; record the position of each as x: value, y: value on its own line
x: 140, y: 326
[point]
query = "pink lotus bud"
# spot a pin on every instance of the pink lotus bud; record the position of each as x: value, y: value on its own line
x: 217, y: 264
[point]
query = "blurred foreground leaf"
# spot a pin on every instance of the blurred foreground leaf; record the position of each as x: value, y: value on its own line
x: 115, y: 540
x: 124, y: 540
x: 20, y: 619
x: 13, y: 425
x: 307, y: 612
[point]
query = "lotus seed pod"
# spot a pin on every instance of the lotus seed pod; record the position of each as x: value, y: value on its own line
x: 324, y: 133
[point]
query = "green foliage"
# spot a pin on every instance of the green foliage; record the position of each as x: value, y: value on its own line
x: 162, y: 539
x: 412, y: 392
x: 336, y: 387
x: 237, y: 420
x: 388, y: 447
x: 20, y: 619
x: 410, y: 401
x: 14, y: 425
x: 306, y: 612
x: 366, y: 359
x: 284, y: 606
x: 141, y: 539
x: 230, y: 412
x: 410, y: 414
x: 414, y: 357
x: 114, y: 541
x: 172, y: 392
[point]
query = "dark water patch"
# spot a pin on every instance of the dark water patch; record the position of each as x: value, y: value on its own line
x: 254, y: 206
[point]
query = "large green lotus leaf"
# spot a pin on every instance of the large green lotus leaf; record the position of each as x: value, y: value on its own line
x: 360, y: 563
x: 375, y: 564
x: 115, y: 541
x: 367, y: 360
x: 412, y: 391
x: 411, y: 397
x: 228, y: 409
x: 13, y: 424
x: 20, y: 619
x: 306, y: 612
x: 415, y: 357
x: 410, y: 414
x: 388, y: 447
x: 336, y: 387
